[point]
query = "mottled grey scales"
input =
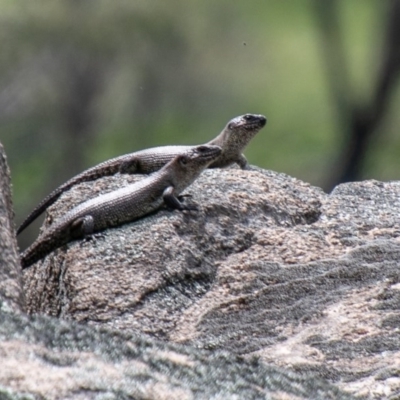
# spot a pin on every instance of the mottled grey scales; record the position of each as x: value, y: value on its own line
x: 233, y: 139
x: 126, y: 204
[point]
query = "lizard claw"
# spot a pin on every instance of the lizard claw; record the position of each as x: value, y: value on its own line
x: 93, y: 236
x: 182, y: 196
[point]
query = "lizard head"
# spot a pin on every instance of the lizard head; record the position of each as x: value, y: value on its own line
x: 190, y: 164
x: 238, y: 132
x: 198, y: 157
x: 235, y: 137
x: 245, y: 124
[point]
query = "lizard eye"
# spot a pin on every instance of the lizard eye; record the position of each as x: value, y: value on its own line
x: 183, y: 160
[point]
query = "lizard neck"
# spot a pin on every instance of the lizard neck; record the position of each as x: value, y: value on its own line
x: 232, y: 145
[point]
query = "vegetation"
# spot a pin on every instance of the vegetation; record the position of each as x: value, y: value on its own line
x: 83, y: 81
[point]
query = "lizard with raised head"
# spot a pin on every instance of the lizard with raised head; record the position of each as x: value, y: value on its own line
x: 233, y: 139
x: 126, y: 204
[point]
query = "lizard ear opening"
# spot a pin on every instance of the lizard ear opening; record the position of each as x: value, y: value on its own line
x: 231, y: 125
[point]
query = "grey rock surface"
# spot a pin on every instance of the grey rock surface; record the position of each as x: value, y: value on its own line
x: 43, y: 357
x: 268, y: 267
x: 10, y: 277
x: 46, y: 358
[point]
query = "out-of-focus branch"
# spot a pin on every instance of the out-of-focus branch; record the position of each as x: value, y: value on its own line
x: 359, y: 121
x: 333, y: 54
x: 390, y: 66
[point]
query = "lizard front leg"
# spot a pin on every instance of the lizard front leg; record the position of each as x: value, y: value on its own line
x: 242, y: 162
x: 172, y: 201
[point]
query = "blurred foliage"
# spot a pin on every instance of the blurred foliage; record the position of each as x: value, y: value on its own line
x: 83, y: 81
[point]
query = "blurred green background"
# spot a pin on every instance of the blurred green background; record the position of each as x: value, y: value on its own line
x: 84, y: 81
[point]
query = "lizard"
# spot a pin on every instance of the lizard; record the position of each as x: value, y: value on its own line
x: 233, y: 139
x: 125, y: 204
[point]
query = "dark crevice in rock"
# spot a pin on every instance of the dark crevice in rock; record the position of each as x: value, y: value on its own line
x: 342, y: 349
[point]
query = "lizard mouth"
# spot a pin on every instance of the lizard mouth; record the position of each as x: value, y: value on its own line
x: 209, y: 152
x: 254, y: 121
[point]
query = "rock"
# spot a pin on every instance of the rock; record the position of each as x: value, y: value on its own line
x: 10, y: 276
x: 46, y: 357
x: 43, y: 357
x: 269, y: 267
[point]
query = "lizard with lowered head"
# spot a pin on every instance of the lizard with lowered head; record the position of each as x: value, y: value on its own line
x: 126, y: 204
